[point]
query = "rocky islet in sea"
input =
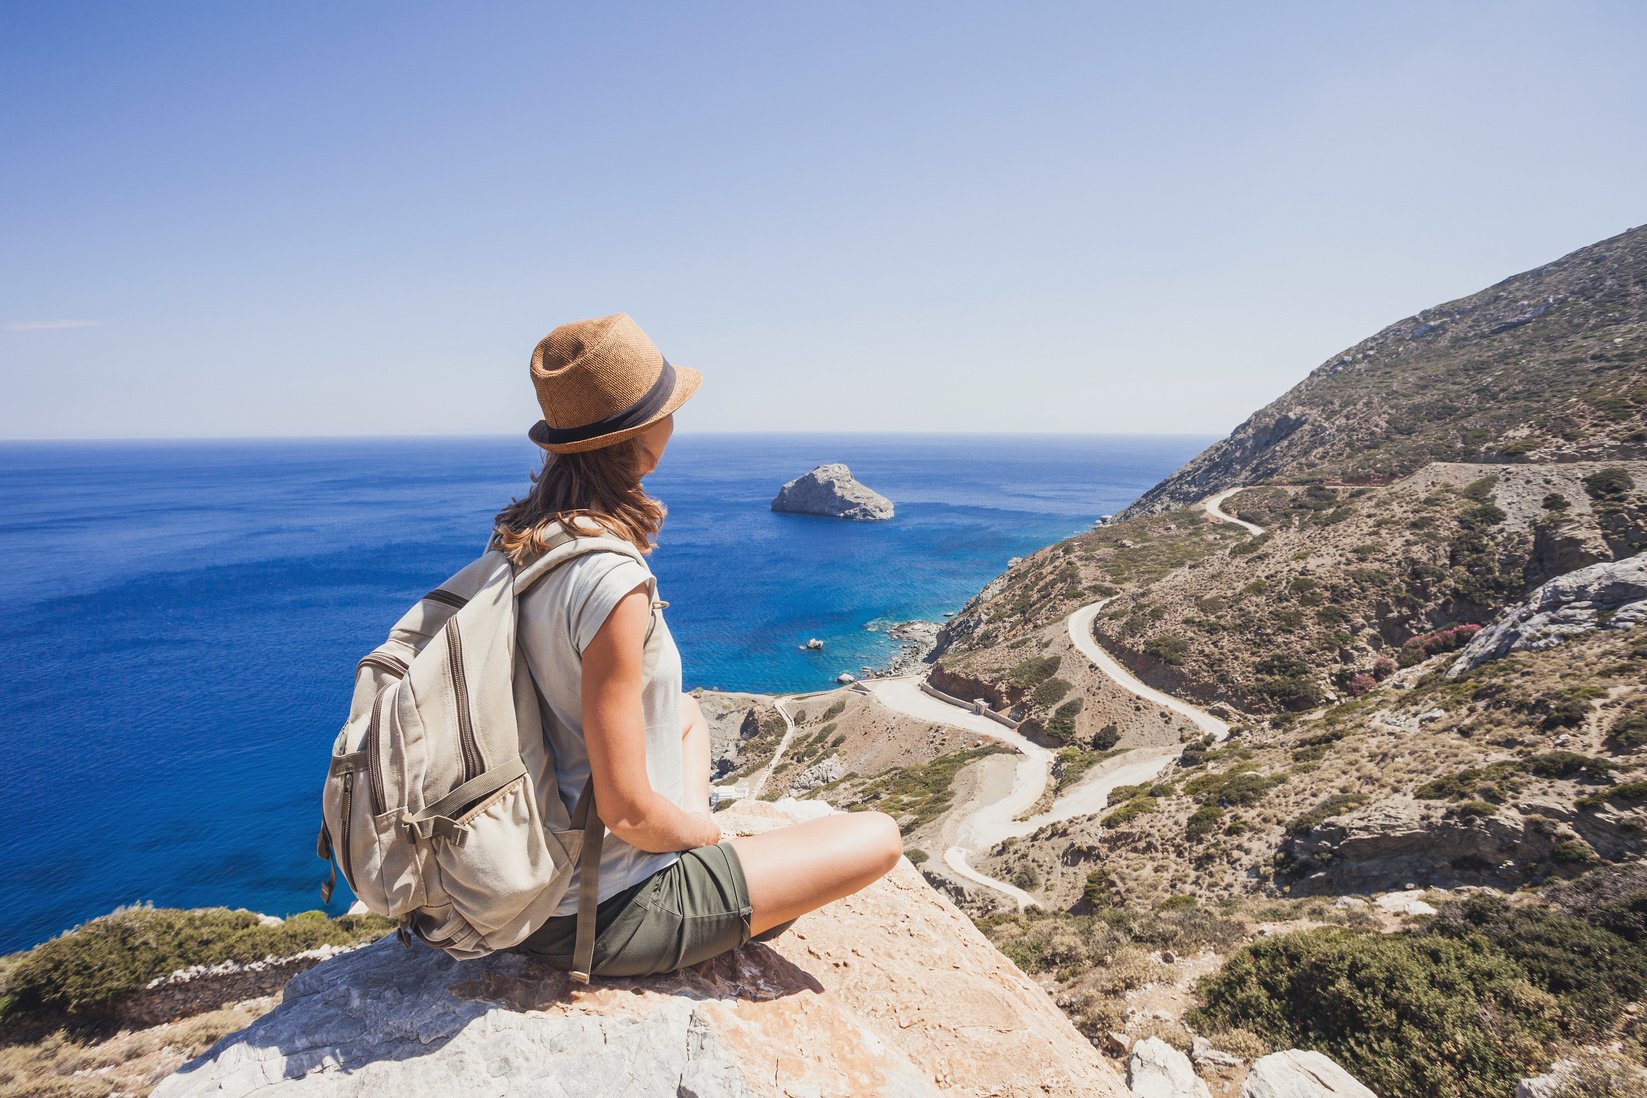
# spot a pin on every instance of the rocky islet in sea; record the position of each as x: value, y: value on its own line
x: 831, y: 490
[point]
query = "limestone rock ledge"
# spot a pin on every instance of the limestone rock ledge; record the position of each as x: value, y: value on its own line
x: 1609, y: 595
x: 889, y: 991
x: 831, y: 490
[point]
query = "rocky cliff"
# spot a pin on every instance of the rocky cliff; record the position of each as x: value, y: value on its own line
x: 889, y: 991
x: 831, y: 490
x: 1543, y: 366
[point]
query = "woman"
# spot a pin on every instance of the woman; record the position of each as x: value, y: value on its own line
x: 672, y: 891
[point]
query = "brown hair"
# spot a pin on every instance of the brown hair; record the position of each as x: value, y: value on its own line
x: 601, y: 486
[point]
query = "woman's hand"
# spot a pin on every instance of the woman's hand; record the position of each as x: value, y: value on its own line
x: 614, y: 732
x: 712, y: 830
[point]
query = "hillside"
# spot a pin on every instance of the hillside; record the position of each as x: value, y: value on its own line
x: 1311, y: 580
x: 1544, y: 366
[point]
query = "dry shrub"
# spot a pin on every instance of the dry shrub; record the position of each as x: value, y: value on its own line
x: 1239, y: 1042
x: 1170, y: 1032
x: 1597, y: 1073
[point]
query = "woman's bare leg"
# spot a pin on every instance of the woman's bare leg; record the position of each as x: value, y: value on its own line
x: 798, y: 869
x: 694, y: 756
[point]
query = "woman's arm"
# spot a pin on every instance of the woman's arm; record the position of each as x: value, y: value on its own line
x: 614, y: 730
x: 695, y: 752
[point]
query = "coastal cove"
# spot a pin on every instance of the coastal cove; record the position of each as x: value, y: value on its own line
x: 185, y: 615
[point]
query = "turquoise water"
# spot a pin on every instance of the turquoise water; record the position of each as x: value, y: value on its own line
x: 184, y: 617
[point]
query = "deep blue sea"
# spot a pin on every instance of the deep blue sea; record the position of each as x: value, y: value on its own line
x: 182, y: 619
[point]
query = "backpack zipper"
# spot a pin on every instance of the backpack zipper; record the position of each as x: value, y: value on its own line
x: 384, y: 660
x: 440, y: 594
x: 374, y: 752
x: 473, y: 764
x: 348, y: 810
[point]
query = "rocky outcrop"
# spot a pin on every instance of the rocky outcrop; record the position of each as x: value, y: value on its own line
x: 1609, y: 595
x: 831, y: 490
x: 1398, y: 840
x: 889, y: 991
x: 1298, y: 1073
x: 1157, y: 1070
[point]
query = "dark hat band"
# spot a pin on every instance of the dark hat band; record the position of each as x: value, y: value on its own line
x: 633, y: 416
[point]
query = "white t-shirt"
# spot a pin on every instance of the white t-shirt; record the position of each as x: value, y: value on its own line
x: 557, y: 619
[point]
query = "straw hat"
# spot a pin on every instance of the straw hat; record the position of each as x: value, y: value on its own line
x: 602, y: 381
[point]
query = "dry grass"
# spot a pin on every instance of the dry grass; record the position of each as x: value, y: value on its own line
x: 131, y: 1062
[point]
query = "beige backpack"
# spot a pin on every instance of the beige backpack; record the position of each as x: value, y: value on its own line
x: 441, y: 803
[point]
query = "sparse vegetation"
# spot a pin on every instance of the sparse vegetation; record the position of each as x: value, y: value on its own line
x: 115, y: 954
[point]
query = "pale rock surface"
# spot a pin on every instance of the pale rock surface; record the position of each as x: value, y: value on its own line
x: 1609, y: 595
x: 1205, y: 1055
x: 1299, y: 1073
x: 829, y: 770
x: 891, y: 991
x: 831, y: 490
x: 1399, y: 842
x: 1547, y: 1085
x: 1157, y: 1070
x: 1405, y: 902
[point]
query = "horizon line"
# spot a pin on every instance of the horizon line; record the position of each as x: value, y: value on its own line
x: 105, y: 440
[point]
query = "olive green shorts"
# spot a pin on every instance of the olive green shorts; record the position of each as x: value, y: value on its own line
x: 687, y: 912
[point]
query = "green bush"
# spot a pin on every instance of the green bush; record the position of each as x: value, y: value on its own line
x: 1594, y: 972
x: 1609, y: 484
x: 121, y: 952
x: 1032, y: 672
x: 1130, y: 811
x: 1480, y: 491
x: 1050, y: 692
x: 1106, y: 737
x: 1630, y: 730
x: 1062, y: 725
x: 1410, y: 1015
x: 921, y: 792
x: 1239, y: 785
x: 1203, y: 821
x: 1481, y: 515
x: 1574, y: 852
x: 1168, y: 648
x: 1567, y: 764
x: 1288, y: 682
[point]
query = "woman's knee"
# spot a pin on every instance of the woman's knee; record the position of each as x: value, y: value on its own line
x: 883, y: 842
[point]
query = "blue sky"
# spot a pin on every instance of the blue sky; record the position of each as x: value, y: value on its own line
x: 320, y: 218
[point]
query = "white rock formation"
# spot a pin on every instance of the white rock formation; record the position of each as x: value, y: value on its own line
x: 831, y: 490
x: 1297, y: 1073
x: 1157, y: 1070
x: 1609, y: 595
x: 891, y: 991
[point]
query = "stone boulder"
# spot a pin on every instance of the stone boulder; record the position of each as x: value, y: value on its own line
x: 1297, y: 1073
x: 831, y: 490
x: 889, y: 991
x: 1157, y: 1070
x: 1609, y: 595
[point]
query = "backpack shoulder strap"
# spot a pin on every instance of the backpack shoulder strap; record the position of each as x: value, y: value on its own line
x: 565, y: 546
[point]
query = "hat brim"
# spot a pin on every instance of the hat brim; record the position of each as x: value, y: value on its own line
x: 687, y: 381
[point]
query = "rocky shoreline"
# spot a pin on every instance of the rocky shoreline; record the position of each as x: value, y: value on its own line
x: 917, y: 641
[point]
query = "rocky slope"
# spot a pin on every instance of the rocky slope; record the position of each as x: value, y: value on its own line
x: 1544, y: 366
x: 889, y: 991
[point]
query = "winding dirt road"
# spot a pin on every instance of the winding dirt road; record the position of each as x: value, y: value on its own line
x: 1213, y: 505
x: 996, y: 819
